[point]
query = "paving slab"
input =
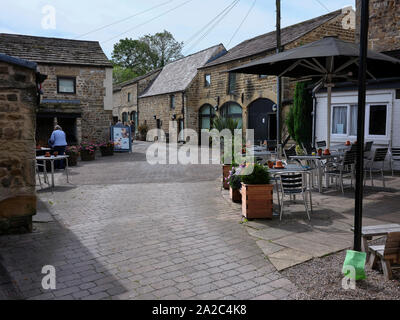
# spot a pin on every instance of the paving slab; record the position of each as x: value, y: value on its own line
x: 287, y: 258
x: 269, y: 247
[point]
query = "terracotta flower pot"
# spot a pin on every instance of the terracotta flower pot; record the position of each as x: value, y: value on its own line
x: 257, y: 201
x: 235, y: 195
x: 225, y: 174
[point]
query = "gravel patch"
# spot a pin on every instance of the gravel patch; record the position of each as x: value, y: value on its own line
x: 321, y: 279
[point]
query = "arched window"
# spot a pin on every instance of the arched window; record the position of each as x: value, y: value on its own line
x: 206, y: 115
x: 232, y: 110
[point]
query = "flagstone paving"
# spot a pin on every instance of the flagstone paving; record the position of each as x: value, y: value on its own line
x: 127, y: 230
x: 295, y: 240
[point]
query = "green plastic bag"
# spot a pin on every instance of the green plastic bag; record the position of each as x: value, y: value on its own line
x: 354, y: 265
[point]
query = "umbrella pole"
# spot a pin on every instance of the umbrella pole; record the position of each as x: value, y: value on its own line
x: 361, y: 125
x: 329, y: 116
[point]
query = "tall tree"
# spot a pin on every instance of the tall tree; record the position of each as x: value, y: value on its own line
x: 137, y: 57
x: 164, y: 48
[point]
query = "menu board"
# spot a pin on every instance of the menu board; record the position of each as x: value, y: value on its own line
x: 121, y: 136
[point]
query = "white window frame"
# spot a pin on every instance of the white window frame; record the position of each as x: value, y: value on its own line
x: 367, y: 118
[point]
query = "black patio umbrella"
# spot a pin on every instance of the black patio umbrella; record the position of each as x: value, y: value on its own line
x: 328, y: 60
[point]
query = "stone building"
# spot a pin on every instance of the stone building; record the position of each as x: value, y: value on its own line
x: 250, y: 98
x: 78, y: 91
x: 126, y: 97
x: 18, y: 101
x: 173, y: 95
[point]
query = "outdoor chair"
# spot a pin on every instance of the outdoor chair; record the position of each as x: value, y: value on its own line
x: 368, y: 149
x: 291, y: 185
x: 394, y: 157
x: 379, y: 157
x: 308, y: 149
x: 321, y: 144
x: 388, y: 254
x: 342, y: 169
x: 289, y: 153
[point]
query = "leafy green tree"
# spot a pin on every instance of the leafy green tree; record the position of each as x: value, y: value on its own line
x: 121, y: 74
x: 137, y: 57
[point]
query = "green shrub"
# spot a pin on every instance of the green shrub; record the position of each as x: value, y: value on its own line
x: 255, y: 174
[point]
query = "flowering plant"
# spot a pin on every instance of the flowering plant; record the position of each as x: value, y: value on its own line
x: 109, y: 144
x: 88, y: 147
x: 72, y: 150
x: 234, y: 180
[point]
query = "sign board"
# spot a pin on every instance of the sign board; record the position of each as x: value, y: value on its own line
x: 122, y: 138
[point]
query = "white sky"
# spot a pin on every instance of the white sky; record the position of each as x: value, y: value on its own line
x: 76, y: 17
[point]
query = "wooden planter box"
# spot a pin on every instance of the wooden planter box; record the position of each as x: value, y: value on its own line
x: 88, y: 156
x: 225, y: 173
x: 257, y: 201
x: 235, y: 195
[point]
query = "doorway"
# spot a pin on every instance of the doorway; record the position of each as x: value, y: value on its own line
x: 262, y: 119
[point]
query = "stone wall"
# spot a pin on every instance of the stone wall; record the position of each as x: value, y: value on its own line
x: 17, y: 148
x: 384, y: 24
x: 248, y: 87
x: 90, y: 91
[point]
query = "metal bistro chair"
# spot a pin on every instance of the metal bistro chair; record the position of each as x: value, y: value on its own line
x: 321, y: 144
x: 289, y: 153
x: 379, y: 156
x: 342, y: 169
x: 291, y: 185
x: 394, y: 157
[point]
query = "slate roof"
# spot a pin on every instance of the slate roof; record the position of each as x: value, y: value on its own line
x: 18, y: 62
x: 53, y: 50
x: 176, y: 76
x: 121, y: 85
x: 267, y: 42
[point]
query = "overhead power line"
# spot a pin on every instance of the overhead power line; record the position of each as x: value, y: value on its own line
x: 185, y: 43
x: 322, y: 5
x: 241, y: 24
x: 211, y: 28
x: 124, y: 19
x: 148, y: 21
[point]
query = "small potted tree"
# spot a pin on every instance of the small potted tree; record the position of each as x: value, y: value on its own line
x: 235, y: 183
x: 107, y: 149
x: 87, y: 151
x: 73, y: 153
x: 257, y: 192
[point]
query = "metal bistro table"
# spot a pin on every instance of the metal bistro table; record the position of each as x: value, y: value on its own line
x: 52, y: 159
x: 261, y: 152
x: 318, y: 161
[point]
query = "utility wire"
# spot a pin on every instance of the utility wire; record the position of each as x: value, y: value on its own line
x: 211, y: 28
x: 241, y: 24
x: 185, y: 43
x: 124, y: 19
x: 322, y: 5
x: 148, y: 21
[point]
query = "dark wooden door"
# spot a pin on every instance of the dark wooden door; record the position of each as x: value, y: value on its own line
x: 260, y: 112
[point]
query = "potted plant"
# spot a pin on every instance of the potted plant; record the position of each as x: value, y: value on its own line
x: 87, y: 151
x: 73, y: 153
x: 257, y: 192
x: 235, y: 183
x: 143, y: 129
x: 107, y: 149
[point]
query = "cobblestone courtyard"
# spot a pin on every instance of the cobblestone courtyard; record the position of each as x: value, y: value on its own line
x: 127, y: 230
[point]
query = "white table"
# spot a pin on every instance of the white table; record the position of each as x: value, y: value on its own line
x: 52, y: 159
